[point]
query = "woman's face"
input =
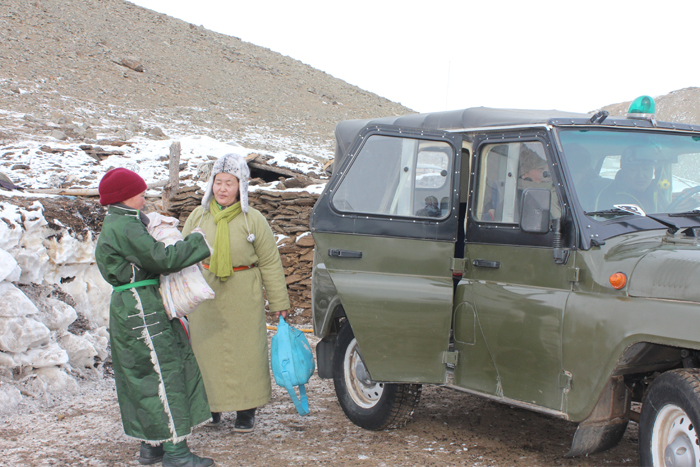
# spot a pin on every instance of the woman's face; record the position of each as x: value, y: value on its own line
x: 225, y: 189
x: 136, y: 202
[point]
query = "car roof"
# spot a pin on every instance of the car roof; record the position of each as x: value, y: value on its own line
x: 476, y: 117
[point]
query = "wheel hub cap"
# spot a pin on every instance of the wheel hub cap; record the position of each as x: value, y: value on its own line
x: 679, y: 453
x: 674, y: 440
x: 363, y: 391
x: 361, y: 373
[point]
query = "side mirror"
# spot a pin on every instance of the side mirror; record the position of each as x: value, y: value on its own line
x: 534, y: 210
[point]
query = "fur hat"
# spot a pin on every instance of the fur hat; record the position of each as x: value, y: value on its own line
x: 529, y: 160
x: 120, y: 184
x: 235, y: 165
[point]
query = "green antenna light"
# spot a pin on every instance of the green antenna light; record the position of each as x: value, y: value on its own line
x: 643, y: 105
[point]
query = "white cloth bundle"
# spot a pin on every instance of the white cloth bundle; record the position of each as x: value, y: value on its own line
x: 182, y: 291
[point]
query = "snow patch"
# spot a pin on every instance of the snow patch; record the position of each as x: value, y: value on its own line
x: 10, y: 397
x: 37, y: 352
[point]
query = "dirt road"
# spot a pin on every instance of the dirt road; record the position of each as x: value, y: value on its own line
x: 449, y: 429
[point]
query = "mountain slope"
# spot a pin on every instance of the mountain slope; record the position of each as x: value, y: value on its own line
x: 681, y: 106
x: 64, y: 58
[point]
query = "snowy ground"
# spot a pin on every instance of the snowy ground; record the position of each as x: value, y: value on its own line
x: 449, y: 429
x: 56, y: 164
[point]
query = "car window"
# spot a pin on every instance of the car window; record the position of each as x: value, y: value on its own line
x: 396, y: 176
x: 504, y: 171
x: 650, y: 170
x: 610, y: 167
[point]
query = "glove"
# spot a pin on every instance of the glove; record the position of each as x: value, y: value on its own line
x: 201, y: 232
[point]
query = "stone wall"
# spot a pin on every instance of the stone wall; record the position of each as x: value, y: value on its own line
x: 288, y: 213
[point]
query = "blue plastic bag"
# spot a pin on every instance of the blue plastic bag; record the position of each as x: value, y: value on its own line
x: 292, y: 363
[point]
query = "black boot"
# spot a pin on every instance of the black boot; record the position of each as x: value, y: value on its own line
x: 179, y: 455
x: 150, y: 454
x: 245, y: 421
x: 215, y: 420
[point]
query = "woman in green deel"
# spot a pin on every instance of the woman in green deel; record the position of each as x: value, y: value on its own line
x: 159, y: 386
x: 229, y: 336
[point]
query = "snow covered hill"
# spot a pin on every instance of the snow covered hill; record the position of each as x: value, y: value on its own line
x: 127, y: 70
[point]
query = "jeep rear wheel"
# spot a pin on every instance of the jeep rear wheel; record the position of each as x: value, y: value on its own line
x: 368, y: 404
x: 668, y: 427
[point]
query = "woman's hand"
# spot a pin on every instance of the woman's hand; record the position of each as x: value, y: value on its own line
x: 283, y: 313
x: 201, y: 232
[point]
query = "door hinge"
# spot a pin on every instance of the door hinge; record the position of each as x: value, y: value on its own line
x: 450, y: 357
x: 565, y: 380
x: 572, y: 274
x: 457, y: 265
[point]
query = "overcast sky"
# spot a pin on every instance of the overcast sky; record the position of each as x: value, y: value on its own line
x: 440, y: 55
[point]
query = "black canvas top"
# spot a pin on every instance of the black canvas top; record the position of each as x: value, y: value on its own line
x: 476, y: 117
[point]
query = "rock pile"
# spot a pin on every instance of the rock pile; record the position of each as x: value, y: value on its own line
x: 288, y: 213
x: 184, y: 202
x: 98, y: 153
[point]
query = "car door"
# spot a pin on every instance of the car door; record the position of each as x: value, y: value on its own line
x: 386, y: 229
x: 508, y: 330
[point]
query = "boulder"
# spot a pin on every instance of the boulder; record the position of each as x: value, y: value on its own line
x: 6, y: 360
x: 9, y: 270
x: 10, y: 397
x: 81, y: 352
x: 157, y: 133
x: 55, y: 314
x: 132, y: 63
x: 99, y: 338
x: 59, y: 135
x: 21, y: 333
x: 14, y: 303
x: 52, y: 380
x: 42, y: 357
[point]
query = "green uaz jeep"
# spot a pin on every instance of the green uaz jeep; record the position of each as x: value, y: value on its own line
x: 543, y: 259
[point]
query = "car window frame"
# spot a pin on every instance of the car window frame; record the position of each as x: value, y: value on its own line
x: 479, y: 231
x: 327, y: 218
x: 404, y: 189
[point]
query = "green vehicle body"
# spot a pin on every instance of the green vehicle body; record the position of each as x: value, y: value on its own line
x: 529, y: 318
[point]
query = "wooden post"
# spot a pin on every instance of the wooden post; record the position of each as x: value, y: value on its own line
x: 170, y: 189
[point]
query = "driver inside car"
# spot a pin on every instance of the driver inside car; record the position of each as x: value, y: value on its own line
x: 633, y: 185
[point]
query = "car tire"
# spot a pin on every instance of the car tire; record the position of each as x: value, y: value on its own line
x: 370, y: 405
x: 670, y: 419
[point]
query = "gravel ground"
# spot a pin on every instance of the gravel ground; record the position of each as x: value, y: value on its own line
x: 449, y: 428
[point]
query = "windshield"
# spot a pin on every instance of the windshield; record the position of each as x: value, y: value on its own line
x: 658, y: 172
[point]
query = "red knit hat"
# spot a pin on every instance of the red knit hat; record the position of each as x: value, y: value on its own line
x: 119, y: 185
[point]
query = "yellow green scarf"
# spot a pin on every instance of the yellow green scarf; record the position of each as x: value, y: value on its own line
x: 220, y: 263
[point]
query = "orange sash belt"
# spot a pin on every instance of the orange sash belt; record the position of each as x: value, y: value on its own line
x: 239, y: 268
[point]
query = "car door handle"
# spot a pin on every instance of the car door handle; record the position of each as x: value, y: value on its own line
x: 344, y: 253
x: 482, y: 263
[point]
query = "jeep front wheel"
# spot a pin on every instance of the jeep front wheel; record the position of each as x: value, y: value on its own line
x: 670, y: 416
x: 368, y: 404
